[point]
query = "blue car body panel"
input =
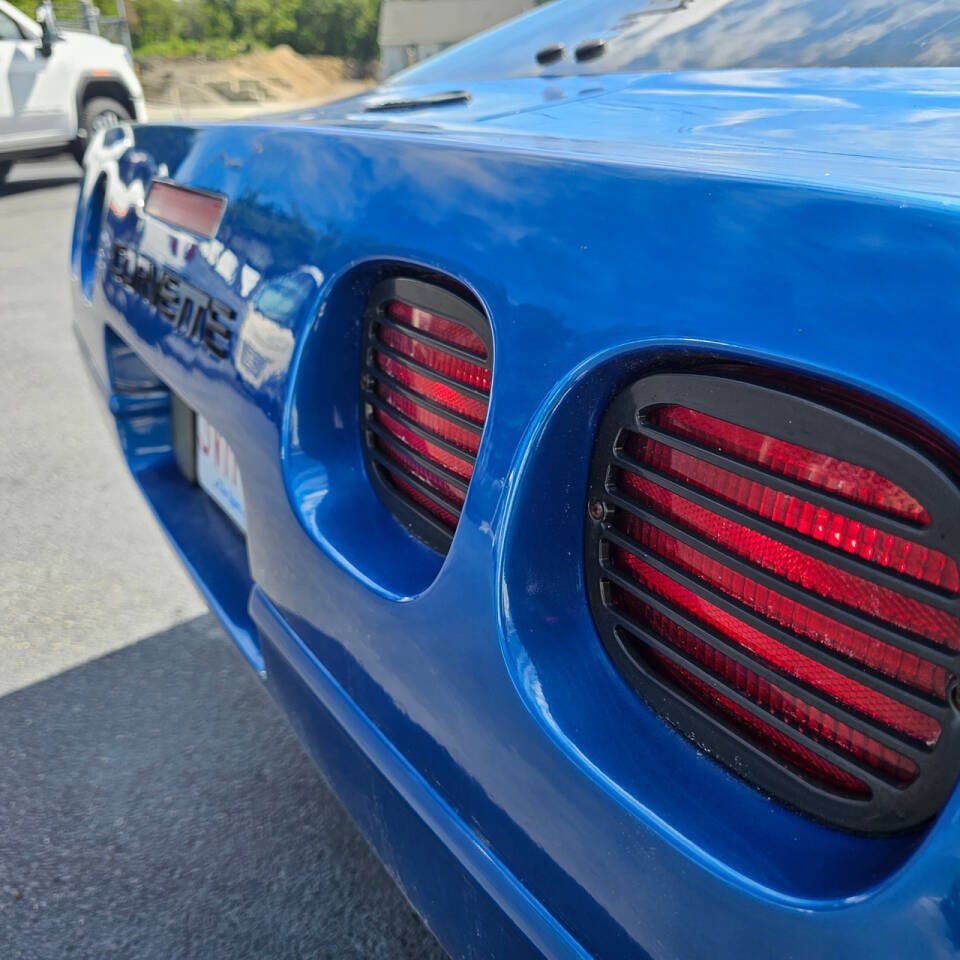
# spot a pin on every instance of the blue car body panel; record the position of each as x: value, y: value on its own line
x: 463, y: 707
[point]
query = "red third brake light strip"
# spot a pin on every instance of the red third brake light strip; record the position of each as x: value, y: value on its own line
x: 432, y: 404
x: 194, y: 210
x: 683, y: 577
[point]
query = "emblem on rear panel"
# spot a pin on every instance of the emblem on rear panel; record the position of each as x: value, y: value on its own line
x: 188, y: 309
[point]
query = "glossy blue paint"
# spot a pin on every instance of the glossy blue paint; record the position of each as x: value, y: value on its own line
x: 668, y: 35
x: 464, y: 708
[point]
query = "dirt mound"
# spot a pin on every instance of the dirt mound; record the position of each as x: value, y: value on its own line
x: 280, y: 74
x: 298, y: 75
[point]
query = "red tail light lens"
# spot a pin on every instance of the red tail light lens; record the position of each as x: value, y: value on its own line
x: 440, y: 328
x: 819, y: 523
x: 765, y: 735
x: 428, y: 368
x: 415, y: 496
x: 859, y: 697
x: 796, y: 603
x: 436, y: 359
x: 797, y: 567
x: 814, y: 469
x: 464, y: 437
x: 821, y: 578
x: 436, y: 455
x: 425, y: 387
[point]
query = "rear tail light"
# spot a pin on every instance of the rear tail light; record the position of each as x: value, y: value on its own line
x: 428, y: 363
x: 780, y: 582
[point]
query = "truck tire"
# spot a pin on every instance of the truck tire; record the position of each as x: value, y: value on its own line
x: 5, y: 166
x: 99, y: 113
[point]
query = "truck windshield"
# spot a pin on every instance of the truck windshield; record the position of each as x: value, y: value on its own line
x: 625, y: 36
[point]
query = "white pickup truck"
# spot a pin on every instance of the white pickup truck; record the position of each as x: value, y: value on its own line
x: 58, y: 88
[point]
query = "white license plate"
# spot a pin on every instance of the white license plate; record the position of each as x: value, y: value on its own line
x: 218, y: 474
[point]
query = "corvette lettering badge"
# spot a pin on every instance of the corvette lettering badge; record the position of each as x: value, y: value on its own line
x: 194, y: 313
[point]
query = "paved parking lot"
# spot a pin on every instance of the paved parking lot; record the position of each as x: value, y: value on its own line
x: 153, y: 803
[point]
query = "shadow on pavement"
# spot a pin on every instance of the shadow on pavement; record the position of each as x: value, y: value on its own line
x: 154, y: 804
x: 13, y: 187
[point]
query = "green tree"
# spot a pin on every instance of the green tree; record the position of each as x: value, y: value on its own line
x: 154, y: 21
x: 267, y: 21
x: 344, y: 28
x: 108, y: 8
x: 206, y: 19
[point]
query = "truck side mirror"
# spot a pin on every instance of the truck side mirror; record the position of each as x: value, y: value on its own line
x: 48, y: 29
x: 46, y: 39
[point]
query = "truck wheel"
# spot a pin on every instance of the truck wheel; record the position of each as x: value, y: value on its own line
x: 5, y: 166
x: 97, y: 114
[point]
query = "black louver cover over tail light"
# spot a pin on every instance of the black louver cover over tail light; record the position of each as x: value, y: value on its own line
x: 780, y: 582
x: 428, y: 363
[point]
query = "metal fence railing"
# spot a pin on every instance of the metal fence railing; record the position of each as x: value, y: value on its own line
x: 86, y: 17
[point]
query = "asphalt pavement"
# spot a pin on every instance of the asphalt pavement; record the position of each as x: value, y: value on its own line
x: 153, y: 802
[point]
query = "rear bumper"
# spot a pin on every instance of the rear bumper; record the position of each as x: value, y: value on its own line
x: 445, y: 869
x: 413, y: 829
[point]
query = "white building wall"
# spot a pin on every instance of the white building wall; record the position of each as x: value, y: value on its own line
x: 411, y: 30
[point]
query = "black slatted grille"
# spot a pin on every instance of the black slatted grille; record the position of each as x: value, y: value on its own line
x: 780, y: 582
x: 428, y: 362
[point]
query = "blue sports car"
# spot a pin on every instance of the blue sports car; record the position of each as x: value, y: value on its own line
x: 568, y: 433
